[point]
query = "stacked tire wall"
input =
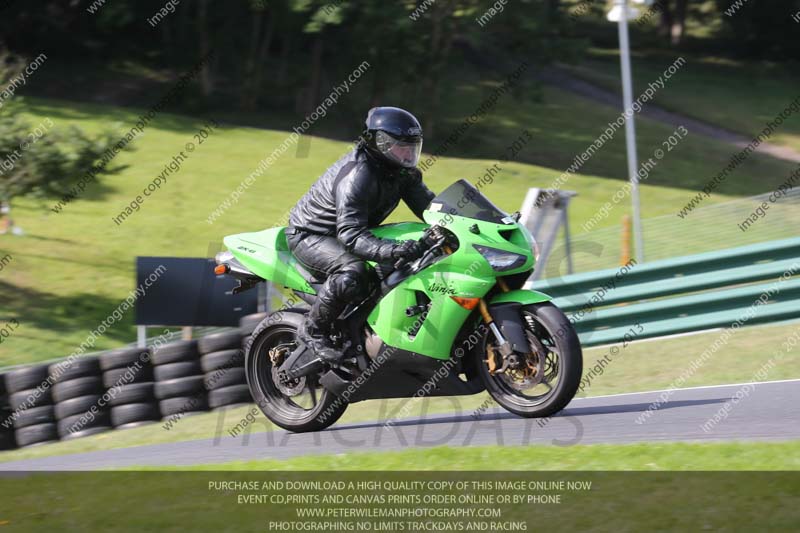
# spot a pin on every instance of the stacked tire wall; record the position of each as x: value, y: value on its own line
x: 222, y: 363
x: 7, y: 440
x: 179, y: 379
x: 128, y: 378
x: 77, y: 393
x: 31, y: 405
x: 124, y: 388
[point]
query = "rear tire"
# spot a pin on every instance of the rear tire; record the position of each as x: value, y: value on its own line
x: 553, y: 329
x: 249, y: 323
x: 283, y: 410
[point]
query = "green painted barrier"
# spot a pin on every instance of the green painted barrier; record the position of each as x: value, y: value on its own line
x: 757, y: 284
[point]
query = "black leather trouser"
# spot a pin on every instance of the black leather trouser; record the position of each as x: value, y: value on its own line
x: 347, y: 277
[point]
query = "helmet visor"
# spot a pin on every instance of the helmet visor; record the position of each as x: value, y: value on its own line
x: 404, y: 153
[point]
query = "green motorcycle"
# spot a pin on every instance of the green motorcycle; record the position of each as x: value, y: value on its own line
x: 454, y: 322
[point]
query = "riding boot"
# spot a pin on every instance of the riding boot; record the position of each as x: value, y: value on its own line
x: 315, y: 330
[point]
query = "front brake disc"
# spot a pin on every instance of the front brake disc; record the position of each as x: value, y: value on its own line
x: 540, y: 354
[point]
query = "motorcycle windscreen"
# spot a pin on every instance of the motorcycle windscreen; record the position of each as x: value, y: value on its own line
x: 464, y: 200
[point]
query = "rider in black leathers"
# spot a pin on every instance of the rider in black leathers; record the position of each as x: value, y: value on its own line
x: 329, y: 227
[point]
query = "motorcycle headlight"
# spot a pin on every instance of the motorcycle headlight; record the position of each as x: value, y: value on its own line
x: 501, y: 260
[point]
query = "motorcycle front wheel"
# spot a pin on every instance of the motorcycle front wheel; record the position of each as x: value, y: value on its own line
x: 549, y: 378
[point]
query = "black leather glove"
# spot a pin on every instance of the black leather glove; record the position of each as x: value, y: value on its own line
x: 407, y: 250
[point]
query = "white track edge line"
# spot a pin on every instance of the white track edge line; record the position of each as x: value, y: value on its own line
x: 700, y: 387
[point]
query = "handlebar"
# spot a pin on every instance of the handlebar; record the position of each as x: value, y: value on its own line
x: 433, y: 238
x: 439, y: 243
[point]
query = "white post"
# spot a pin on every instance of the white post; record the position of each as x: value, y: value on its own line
x: 141, y: 336
x: 630, y: 128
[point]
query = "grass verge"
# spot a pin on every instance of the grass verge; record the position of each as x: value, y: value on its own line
x: 598, y: 500
x: 756, y: 456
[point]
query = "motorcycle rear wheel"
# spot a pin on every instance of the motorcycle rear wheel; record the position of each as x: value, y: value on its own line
x: 527, y: 393
x: 313, y: 408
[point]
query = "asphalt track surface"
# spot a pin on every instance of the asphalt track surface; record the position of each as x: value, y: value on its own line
x: 754, y: 412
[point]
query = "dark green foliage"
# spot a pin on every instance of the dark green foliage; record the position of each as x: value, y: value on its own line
x: 274, y: 54
x: 43, y: 159
x: 760, y: 28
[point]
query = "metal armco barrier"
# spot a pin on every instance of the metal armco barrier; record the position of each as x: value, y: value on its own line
x: 756, y: 283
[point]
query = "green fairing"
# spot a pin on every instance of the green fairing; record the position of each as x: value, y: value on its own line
x: 266, y: 254
x: 463, y: 273
x: 520, y: 296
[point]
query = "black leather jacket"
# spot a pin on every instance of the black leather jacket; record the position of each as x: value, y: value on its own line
x: 357, y: 193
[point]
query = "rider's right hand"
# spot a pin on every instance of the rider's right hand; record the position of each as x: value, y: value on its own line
x: 407, y: 250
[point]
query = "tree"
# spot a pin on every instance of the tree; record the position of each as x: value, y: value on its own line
x: 321, y: 16
x: 262, y: 30
x: 678, y: 27
x: 761, y: 29
x: 37, y: 159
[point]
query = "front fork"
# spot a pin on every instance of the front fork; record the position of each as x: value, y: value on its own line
x: 504, y: 323
x: 504, y: 346
x: 512, y: 342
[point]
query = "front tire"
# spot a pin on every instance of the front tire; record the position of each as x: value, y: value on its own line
x: 293, y: 411
x: 536, y: 396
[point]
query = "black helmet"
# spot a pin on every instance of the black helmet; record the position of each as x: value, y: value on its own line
x: 394, y: 135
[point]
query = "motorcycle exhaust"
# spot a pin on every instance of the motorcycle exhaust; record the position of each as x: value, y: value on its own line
x: 334, y: 383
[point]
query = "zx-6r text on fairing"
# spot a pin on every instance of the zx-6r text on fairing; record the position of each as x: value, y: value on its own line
x: 453, y: 322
